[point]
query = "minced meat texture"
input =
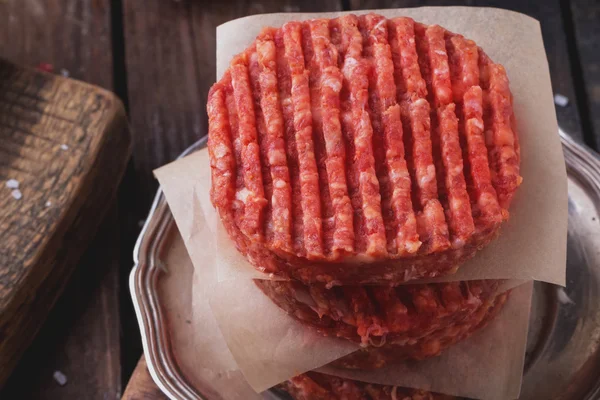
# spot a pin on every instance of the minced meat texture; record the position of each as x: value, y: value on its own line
x: 383, y: 315
x: 362, y: 150
x: 317, y: 386
x: 431, y: 343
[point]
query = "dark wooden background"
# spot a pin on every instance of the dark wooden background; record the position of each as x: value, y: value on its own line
x: 159, y: 57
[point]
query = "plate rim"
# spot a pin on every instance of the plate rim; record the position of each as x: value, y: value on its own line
x: 167, y: 376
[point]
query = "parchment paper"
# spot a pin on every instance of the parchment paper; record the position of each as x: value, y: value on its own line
x: 532, y: 244
x: 268, y: 346
x: 295, y: 344
x: 202, y: 353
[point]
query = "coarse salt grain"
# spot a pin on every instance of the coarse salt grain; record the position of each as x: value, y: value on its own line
x: 563, y: 297
x: 12, y: 184
x: 64, y: 147
x: 16, y: 194
x: 48, y: 203
x: 60, y: 378
x: 560, y: 100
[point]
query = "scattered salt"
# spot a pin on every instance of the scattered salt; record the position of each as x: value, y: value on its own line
x: 65, y: 72
x: 17, y: 194
x: 560, y: 100
x: 563, y: 297
x: 64, y: 147
x: 48, y: 203
x: 12, y: 184
x: 60, y: 378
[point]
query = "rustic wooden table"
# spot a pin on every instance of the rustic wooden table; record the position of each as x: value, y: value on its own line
x: 158, y: 56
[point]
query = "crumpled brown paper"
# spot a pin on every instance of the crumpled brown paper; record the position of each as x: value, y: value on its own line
x: 532, y: 244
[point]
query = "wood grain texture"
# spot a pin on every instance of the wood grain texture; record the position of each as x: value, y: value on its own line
x: 81, y: 335
x: 586, y: 21
x: 141, y: 386
x: 73, y: 35
x: 67, y: 144
x: 550, y: 15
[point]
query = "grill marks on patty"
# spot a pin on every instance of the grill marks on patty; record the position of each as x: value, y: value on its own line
x: 362, y: 136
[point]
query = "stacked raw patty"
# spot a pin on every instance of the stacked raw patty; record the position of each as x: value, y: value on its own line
x: 405, y: 322
x: 365, y: 151
x: 316, y: 386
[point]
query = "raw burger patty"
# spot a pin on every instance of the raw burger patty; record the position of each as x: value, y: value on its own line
x: 406, y: 322
x: 316, y: 386
x: 362, y: 150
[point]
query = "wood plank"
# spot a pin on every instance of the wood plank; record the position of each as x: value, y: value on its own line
x: 141, y: 386
x: 74, y: 36
x: 549, y: 14
x: 170, y: 57
x: 81, y: 336
x: 585, y: 16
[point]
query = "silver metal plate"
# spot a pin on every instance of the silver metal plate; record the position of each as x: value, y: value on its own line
x: 563, y: 352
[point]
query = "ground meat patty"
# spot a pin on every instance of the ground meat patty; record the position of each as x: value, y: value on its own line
x: 316, y: 386
x: 407, y: 322
x: 429, y: 345
x: 362, y: 150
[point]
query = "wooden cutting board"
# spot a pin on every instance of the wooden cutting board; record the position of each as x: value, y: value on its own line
x: 65, y: 144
